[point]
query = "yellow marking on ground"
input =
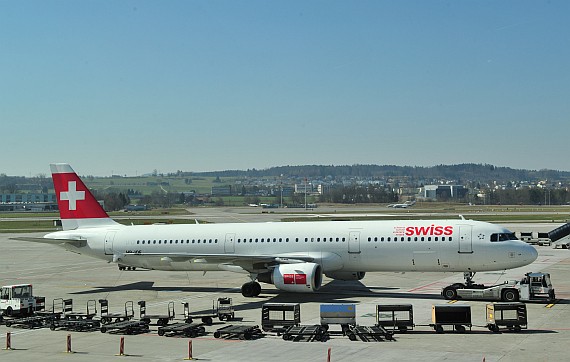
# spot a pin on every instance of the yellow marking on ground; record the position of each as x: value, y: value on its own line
x: 552, y: 304
x: 237, y: 218
x: 452, y: 301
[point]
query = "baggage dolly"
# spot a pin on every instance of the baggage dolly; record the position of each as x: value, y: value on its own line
x: 27, y: 322
x: 313, y: 333
x: 127, y: 327
x: 509, y: 315
x: 278, y: 317
x: 107, y: 317
x: 162, y: 320
x: 457, y: 315
x: 369, y: 332
x: 191, y: 330
x: 241, y: 332
x: 78, y: 325
x: 398, y: 316
x: 91, y: 310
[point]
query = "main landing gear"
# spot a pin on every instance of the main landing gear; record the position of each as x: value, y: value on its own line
x: 251, y: 289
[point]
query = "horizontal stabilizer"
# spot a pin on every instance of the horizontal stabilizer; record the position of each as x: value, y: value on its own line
x: 75, y: 242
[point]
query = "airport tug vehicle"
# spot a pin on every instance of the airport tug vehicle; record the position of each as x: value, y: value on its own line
x: 533, y: 287
x: 19, y: 300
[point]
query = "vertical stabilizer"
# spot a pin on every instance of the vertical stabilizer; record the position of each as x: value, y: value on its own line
x: 78, y: 208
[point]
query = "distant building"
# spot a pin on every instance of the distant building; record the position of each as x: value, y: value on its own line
x: 435, y: 192
x: 136, y: 208
x: 287, y: 191
x: 222, y: 190
x: 27, y: 198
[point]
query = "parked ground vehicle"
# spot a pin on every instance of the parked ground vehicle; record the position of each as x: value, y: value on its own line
x: 19, y: 300
x: 533, y: 287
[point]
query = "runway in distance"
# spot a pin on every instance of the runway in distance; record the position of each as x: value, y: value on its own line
x: 291, y: 255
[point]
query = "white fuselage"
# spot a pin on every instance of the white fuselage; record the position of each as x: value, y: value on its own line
x: 362, y: 246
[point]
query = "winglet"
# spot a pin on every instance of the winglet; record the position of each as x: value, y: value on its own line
x: 78, y: 208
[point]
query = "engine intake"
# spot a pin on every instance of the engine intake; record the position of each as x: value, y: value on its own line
x: 301, y: 277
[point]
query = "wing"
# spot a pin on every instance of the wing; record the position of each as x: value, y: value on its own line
x: 251, y: 263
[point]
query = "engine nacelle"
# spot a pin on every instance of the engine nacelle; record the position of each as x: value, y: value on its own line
x: 340, y: 275
x: 301, y: 277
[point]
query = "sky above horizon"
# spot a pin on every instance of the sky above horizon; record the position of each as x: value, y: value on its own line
x: 132, y: 86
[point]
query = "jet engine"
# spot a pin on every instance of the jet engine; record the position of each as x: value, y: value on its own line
x: 301, y: 277
x: 343, y: 275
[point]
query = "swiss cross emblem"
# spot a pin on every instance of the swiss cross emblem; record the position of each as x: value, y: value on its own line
x: 72, y: 195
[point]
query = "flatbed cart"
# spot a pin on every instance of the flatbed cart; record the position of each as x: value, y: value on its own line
x: 457, y: 316
x: 241, y: 332
x: 396, y: 316
x: 107, y: 317
x: 313, y: 333
x: 508, y: 315
x: 161, y: 320
x: 126, y: 327
x: 279, y: 317
x: 27, y: 322
x: 222, y: 308
x: 191, y: 330
x: 90, y: 311
x: 369, y: 332
x: 78, y: 325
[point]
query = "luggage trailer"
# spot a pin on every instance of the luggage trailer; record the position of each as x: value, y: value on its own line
x: 241, y: 332
x: 107, y: 317
x: 191, y: 330
x: 345, y: 315
x: 222, y: 308
x: 399, y: 317
x: 458, y: 316
x: 508, y: 315
x: 280, y: 317
x: 161, y: 320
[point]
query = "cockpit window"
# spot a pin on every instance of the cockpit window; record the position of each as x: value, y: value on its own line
x: 503, y: 237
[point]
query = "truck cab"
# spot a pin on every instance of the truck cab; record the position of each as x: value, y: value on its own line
x: 17, y: 299
x: 535, y: 286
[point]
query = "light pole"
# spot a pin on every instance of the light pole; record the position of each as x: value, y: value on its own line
x: 305, y: 194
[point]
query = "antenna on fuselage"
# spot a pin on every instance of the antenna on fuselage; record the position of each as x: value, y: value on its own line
x: 461, y: 216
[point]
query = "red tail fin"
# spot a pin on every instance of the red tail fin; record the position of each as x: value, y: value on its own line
x: 77, y: 206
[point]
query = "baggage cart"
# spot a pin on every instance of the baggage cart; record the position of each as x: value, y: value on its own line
x: 313, y: 333
x: 457, y: 316
x: 107, y: 317
x: 26, y: 322
x: 396, y: 316
x: 90, y: 311
x: 161, y: 320
x: 241, y: 332
x: 278, y: 317
x: 78, y: 325
x: 126, y: 327
x: 343, y: 314
x: 367, y: 333
x: 508, y: 315
x: 191, y: 330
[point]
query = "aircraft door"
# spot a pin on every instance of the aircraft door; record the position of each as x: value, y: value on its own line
x: 109, y: 237
x: 465, y: 243
x: 229, y: 245
x: 354, y: 242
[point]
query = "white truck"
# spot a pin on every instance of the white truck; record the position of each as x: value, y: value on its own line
x: 19, y: 300
x: 533, y: 287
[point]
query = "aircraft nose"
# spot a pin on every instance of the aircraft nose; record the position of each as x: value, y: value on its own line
x: 530, y: 253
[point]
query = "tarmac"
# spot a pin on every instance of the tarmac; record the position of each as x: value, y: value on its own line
x: 56, y: 273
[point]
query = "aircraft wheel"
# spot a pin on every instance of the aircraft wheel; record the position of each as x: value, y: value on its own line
x: 450, y: 293
x: 256, y: 289
x: 248, y: 290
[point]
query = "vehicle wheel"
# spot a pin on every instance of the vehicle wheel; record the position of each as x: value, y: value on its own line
x: 285, y: 337
x: 161, y: 332
x: 188, y: 320
x: 207, y: 320
x: 517, y: 328
x: 221, y: 318
x: 8, y: 324
x: 217, y: 334
x: 389, y: 337
x: 134, y: 268
x: 402, y: 329
x: 439, y: 329
x: 460, y: 329
x: 318, y: 337
x: 247, y: 290
x: 450, y: 293
x: 510, y: 295
x: 352, y: 336
x: 9, y: 312
x: 52, y: 327
x: 103, y: 329
x: 247, y: 335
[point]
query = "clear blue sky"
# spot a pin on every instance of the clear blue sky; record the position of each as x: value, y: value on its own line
x: 132, y: 86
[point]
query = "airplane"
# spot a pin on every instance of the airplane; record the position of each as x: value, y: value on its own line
x: 293, y: 256
x: 404, y: 205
